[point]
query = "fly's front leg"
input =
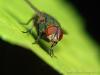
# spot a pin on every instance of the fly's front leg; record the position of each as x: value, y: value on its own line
x: 51, y: 49
x: 32, y: 18
x: 51, y: 52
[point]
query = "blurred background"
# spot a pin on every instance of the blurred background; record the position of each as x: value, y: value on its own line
x: 21, y: 62
x: 89, y: 10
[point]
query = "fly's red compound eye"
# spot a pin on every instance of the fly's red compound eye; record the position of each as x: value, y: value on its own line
x: 50, y: 30
x: 54, y: 29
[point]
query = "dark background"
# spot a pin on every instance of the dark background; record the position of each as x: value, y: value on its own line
x: 17, y: 60
x: 89, y: 10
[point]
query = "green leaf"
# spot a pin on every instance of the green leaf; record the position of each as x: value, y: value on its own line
x: 76, y: 53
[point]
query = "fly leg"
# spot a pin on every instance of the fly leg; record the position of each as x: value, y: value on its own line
x: 51, y: 50
x: 29, y: 30
x: 38, y: 38
x: 32, y: 18
x: 39, y: 33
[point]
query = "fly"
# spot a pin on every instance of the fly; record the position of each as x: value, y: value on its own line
x: 46, y: 26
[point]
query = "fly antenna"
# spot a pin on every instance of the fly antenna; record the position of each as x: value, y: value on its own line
x: 32, y: 6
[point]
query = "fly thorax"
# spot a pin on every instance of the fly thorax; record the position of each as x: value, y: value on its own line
x: 41, y: 19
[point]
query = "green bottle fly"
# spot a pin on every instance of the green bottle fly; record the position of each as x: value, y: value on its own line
x: 46, y: 26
